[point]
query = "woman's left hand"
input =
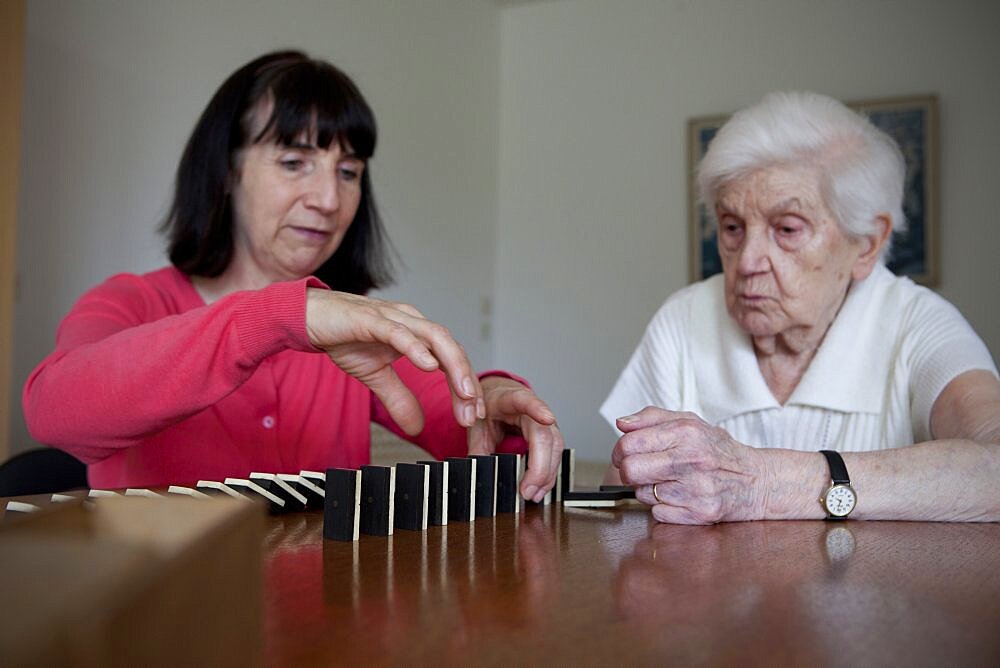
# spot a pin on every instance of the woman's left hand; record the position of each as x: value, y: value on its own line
x: 701, y: 474
x: 513, y: 408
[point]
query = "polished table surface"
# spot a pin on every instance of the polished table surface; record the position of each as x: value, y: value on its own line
x: 580, y: 586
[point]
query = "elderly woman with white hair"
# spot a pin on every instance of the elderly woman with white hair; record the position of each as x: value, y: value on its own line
x: 807, y: 344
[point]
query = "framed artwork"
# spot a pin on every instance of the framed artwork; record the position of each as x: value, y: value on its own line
x: 913, y: 123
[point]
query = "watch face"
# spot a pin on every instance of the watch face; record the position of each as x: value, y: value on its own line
x: 840, y: 500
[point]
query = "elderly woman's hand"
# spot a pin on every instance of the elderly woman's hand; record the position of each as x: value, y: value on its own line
x: 364, y: 336
x: 513, y: 408
x: 701, y: 475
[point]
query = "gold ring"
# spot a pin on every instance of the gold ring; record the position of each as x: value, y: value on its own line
x: 655, y: 495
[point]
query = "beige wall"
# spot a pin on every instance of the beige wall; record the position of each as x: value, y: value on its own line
x: 593, y: 204
x: 11, y: 73
x: 533, y: 151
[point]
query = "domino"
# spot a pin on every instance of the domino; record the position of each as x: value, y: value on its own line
x: 598, y: 499
x: 378, y: 487
x: 313, y: 493
x: 251, y: 489
x: 315, y: 477
x: 486, y: 485
x: 22, y: 507
x: 186, y: 491
x: 63, y: 498
x: 281, y: 489
x: 567, y: 472
x: 437, y: 495
x: 412, y: 487
x: 461, y: 489
x: 215, y: 488
x: 508, y: 478
x: 342, y: 505
x: 147, y: 493
x: 101, y: 493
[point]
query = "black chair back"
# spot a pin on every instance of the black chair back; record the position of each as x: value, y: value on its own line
x: 41, y: 471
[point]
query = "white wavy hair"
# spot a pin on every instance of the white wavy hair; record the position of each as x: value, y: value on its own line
x: 862, y: 169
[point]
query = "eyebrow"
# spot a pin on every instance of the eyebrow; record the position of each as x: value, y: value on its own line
x: 302, y: 146
x: 793, y: 204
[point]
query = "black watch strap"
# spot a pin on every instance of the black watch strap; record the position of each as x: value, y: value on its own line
x: 838, y: 470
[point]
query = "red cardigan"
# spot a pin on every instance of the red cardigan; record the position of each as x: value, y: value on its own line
x: 149, y: 386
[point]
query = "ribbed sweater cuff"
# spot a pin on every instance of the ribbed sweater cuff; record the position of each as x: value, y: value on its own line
x: 274, y: 319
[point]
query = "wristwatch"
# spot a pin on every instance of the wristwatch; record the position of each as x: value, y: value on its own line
x: 840, y: 499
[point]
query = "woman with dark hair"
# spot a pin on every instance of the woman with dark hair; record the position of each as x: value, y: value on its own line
x: 210, y: 368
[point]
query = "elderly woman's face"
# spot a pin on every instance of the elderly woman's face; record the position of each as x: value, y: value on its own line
x: 787, y: 263
x: 292, y: 206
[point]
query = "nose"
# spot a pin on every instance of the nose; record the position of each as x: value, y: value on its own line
x: 323, y: 193
x: 754, y: 254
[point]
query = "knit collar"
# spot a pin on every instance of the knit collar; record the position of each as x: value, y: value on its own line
x: 846, y: 375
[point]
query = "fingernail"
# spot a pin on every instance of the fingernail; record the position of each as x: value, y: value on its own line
x: 428, y: 359
x: 468, y: 387
x: 539, y: 496
x: 468, y: 415
x: 481, y: 409
x: 629, y: 419
x: 530, y: 491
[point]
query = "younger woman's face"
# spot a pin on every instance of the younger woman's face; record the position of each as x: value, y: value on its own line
x: 292, y: 206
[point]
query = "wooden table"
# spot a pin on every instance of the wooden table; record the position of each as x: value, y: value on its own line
x: 609, y: 587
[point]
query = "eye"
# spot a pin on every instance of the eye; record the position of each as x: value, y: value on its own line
x: 790, y: 230
x: 350, y: 171
x: 292, y: 164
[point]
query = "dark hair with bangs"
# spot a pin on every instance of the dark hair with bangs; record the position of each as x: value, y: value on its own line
x: 308, y: 97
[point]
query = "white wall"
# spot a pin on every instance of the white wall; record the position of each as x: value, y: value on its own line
x: 112, y: 89
x: 592, y: 194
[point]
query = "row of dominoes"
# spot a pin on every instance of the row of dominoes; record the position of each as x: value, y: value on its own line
x: 375, y: 499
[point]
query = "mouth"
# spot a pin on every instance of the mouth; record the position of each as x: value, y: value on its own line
x: 312, y: 234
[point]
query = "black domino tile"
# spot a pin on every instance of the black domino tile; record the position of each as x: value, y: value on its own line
x: 377, y: 490
x: 437, y: 493
x: 342, y: 505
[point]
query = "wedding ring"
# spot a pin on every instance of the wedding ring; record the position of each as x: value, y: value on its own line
x: 655, y: 495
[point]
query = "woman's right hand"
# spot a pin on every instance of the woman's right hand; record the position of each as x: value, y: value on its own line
x: 364, y: 336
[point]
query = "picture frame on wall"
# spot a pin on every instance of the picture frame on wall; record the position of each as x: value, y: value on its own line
x: 913, y: 122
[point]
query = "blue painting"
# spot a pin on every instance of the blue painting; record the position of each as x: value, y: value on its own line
x: 912, y: 122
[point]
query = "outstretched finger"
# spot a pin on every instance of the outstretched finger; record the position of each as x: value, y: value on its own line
x: 450, y: 357
x: 545, y: 446
x: 511, y: 405
x: 397, y: 399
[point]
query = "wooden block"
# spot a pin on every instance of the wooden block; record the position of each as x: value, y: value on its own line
x: 437, y: 493
x: 187, y: 491
x: 129, y: 582
x: 597, y: 499
x: 215, y: 488
x: 508, y: 479
x: 486, y: 485
x: 311, y: 491
x: 461, y: 489
x: 252, y: 490
x: 275, y: 485
x: 567, y: 471
x: 412, y: 486
x: 342, y: 505
x: 378, y: 488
